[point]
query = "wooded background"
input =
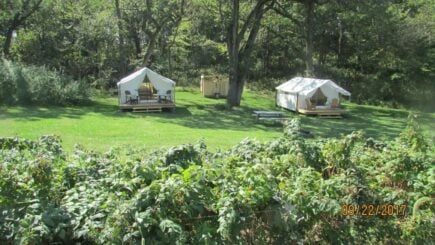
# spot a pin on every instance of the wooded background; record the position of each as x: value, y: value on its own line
x: 381, y: 50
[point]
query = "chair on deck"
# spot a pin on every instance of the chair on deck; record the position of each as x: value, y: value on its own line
x: 127, y: 96
x: 167, y: 97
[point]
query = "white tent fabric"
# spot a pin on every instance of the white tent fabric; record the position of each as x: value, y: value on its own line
x: 133, y: 81
x: 293, y: 93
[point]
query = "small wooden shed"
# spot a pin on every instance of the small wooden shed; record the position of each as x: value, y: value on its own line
x: 214, y: 86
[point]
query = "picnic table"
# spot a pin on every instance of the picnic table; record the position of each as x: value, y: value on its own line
x: 269, y: 115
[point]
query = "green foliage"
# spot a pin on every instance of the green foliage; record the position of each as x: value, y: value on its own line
x: 38, y: 85
x: 281, y: 192
x: 8, y: 83
x: 381, y: 51
x: 412, y: 137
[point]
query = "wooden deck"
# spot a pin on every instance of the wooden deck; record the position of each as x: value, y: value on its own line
x: 327, y: 113
x: 147, y: 107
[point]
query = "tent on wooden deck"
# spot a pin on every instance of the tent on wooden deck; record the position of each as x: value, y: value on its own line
x: 143, y: 78
x: 302, y: 93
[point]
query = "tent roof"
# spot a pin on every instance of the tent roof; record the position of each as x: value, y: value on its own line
x: 142, y: 72
x: 306, y: 85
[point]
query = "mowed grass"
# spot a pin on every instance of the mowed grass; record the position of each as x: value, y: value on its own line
x: 101, y: 125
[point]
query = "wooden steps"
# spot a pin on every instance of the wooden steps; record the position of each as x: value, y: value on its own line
x: 324, y: 113
x: 147, y: 109
x: 330, y: 116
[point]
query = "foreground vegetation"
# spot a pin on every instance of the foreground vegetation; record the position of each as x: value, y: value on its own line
x: 100, y: 126
x: 279, y: 192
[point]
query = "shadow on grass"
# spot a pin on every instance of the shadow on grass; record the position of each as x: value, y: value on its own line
x: 189, y: 113
x: 212, y: 114
x: 215, y: 116
x: 34, y: 113
x: 375, y: 122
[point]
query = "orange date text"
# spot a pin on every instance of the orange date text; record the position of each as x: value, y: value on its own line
x: 367, y: 210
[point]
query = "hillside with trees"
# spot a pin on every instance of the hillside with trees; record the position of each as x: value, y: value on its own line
x: 381, y: 51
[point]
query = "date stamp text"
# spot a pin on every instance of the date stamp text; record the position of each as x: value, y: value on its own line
x: 367, y: 210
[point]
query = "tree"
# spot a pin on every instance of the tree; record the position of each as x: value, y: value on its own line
x: 284, y: 8
x: 13, y: 16
x: 123, y: 60
x: 381, y: 50
x: 77, y: 37
x: 240, y: 42
x: 309, y: 7
x: 145, y: 22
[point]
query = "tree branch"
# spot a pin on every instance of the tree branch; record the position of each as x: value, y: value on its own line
x: 246, y: 50
x: 251, y: 15
x: 279, y: 9
x: 31, y: 11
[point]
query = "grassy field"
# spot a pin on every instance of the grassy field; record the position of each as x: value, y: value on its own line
x: 101, y: 125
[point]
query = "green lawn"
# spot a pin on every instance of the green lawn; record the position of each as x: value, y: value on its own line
x: 101, y: 125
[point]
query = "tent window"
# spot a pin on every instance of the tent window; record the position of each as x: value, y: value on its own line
x: 318, y: 98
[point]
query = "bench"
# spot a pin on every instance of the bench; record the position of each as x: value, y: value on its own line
x: 281, y: 119
x: 275, y: 116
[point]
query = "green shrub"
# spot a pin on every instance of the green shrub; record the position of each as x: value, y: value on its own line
x: 288, y: 191
x: 39, y: 85
x: 7, y: 83
x: 412, y: 137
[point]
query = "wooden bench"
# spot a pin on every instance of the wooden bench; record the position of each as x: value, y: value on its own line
x: 273, y: 119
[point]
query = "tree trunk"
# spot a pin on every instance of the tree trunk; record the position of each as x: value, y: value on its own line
x: 233, y: 98
x: 170, y: 48
x: 340, y: 43
x: 8, y: 42
x: 136, y: 41
x: 19, y: 18
x: 309, y: 6
x: 150, y: 47
x: 123, y: 62
x: 237, y: 81
x: 239, y: 57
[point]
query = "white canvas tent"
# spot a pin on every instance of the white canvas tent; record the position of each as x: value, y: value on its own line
x: 293, y: 94
x: 133, y: 81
